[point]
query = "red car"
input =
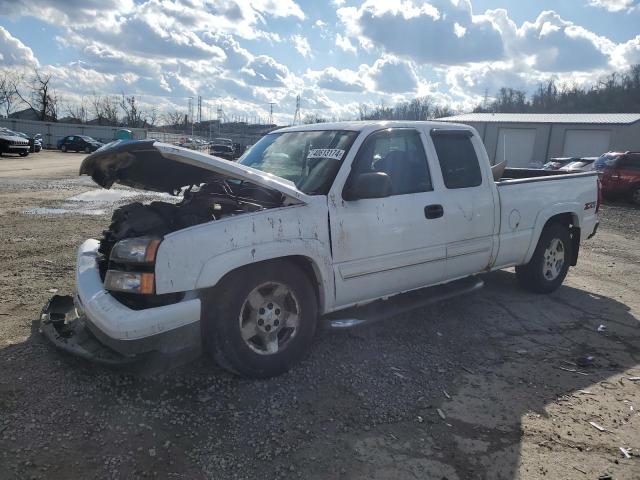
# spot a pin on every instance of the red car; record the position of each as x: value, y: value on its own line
x: 620, y: 175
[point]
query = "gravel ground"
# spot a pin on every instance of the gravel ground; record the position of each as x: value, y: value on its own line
x: 489, y: 386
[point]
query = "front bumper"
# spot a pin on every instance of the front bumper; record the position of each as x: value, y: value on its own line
x: 15, y: 148
x: 167, y: 329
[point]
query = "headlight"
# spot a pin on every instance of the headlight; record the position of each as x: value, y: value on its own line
x: 131, y: 282
x: 140, y: 250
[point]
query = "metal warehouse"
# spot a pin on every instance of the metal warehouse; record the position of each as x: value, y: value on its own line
x: 529, y: 139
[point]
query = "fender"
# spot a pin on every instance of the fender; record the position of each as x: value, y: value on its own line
x: 310, y: 248
x: 543, y: 217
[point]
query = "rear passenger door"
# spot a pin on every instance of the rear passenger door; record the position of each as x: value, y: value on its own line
x: 467, y: 201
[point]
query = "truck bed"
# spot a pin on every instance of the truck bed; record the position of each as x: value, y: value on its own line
x: 528, y: 195
x: 536, y: 174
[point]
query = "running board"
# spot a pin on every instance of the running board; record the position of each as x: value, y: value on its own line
x: 402, y: 303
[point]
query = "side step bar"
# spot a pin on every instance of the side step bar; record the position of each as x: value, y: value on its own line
x: 402, y: 303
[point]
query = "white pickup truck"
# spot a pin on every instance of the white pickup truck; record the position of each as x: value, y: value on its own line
x: 314, y: 223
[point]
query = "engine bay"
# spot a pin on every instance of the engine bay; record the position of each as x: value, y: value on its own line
x: 199, y: 204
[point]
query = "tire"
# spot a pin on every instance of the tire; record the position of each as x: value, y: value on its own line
x: 24, y: 154
x: 543, y: 273
x: 87, y: 150
x: 635, y: 195
x: 248, y: 324
x: 63, y: 148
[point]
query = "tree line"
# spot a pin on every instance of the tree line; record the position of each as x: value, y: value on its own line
x: 616, y: 93
x: 34, y: 90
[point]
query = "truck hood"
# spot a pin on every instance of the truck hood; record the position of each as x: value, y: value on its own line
x: 161, y: 167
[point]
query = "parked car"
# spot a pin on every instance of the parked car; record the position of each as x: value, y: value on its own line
x: 585, y: 164
x: 11, y: 142
x: 260, y: 250
x: 620, y: 175
x: 79, y: 143
x: 557, y: 163
x: 35, y: 144
x: 223, y: 151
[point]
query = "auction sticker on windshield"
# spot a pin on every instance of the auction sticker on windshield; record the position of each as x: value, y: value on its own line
x: 333, y: 153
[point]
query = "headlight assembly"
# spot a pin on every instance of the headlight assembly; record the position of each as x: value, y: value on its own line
x: 131, y: 282
x: 141, y: 250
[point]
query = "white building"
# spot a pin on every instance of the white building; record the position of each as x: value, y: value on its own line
x: 529, y: 139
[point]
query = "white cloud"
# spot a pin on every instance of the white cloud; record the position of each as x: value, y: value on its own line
x: 393, y: 75
x: 427, y: 32
x: 301, y: 44
x: 14, y: 52
x: 337, y: 80
x: 627, y: 53
x: 266, y: 72
x: 345, y: 44
x: 615, y: 5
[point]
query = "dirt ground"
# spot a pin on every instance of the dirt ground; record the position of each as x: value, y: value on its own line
x: 489, y: 386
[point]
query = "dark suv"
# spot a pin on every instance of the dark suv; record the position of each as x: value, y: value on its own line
x: 79, y: 143
x: 620, y: 175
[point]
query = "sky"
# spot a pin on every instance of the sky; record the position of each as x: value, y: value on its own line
x: 243, y: 55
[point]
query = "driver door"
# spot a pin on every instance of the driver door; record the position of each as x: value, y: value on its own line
x: 383, y: 246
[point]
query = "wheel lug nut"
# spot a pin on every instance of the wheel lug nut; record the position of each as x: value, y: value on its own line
x: 261, y: 311
x: 276, y: 323
x: 260, y: 322
x: 267, y: 328
x: 270, y: 306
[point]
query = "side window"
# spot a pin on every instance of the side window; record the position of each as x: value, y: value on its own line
x: 632, y: 161
x: 70, y: 139
x: 458, y: 160
x: 400, y: 154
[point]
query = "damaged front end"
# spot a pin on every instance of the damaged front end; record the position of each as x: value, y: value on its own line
x: 65, y: 327
x: 117, y: 314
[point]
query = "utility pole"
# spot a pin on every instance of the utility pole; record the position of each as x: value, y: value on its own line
x: 271, y: 104
x: 199, y: 109
x: 190, y: 113
x: 296, y: 115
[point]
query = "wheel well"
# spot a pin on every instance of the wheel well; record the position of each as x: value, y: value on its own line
x: 570, y: 221
x: 305, y: 264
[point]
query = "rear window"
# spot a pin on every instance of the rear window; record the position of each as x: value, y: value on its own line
x: 458, y: 161
x: 607, y: 160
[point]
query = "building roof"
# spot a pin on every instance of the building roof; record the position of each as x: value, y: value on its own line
x: 580, y: 118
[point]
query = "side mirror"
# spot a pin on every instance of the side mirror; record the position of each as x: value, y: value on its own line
x: 369, y: 185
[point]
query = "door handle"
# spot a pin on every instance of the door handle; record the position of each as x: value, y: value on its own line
x: 433, y: 211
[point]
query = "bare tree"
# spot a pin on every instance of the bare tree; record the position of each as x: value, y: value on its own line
x: 152, y: 117
x: 40, y: 96
x: 133, y: 115
x: 173, y: 118
x: 105, y: 109
x: 8, y: 96
x: 78, y: 111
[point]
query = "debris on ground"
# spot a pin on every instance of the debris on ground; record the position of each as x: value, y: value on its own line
x: 598, y: 427
x: 625, y: 452
x: 586, y: 361
x: 602, y: 328
x: 441, y: 413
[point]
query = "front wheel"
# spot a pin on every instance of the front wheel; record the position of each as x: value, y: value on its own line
x: 24, y: 154
x: 87, y: 150
x: 261, y: 321
x: 549, y: 264
x: 63, y: 148
x: 635, y: 195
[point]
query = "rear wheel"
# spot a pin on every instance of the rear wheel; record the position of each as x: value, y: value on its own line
x: 87, y: 150
x: 261, y: 321
x: 549, y: 264
x: 63, y: 148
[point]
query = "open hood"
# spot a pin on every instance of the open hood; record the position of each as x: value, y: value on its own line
x: 161, y: 167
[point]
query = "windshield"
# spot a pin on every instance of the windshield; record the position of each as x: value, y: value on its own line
x: 607, y: 160
x: 309, y: 159
x: 221, y: 148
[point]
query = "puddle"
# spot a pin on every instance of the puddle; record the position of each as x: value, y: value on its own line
x: 63, y: 211
x: 100, y: 202
x: 107, y: 196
